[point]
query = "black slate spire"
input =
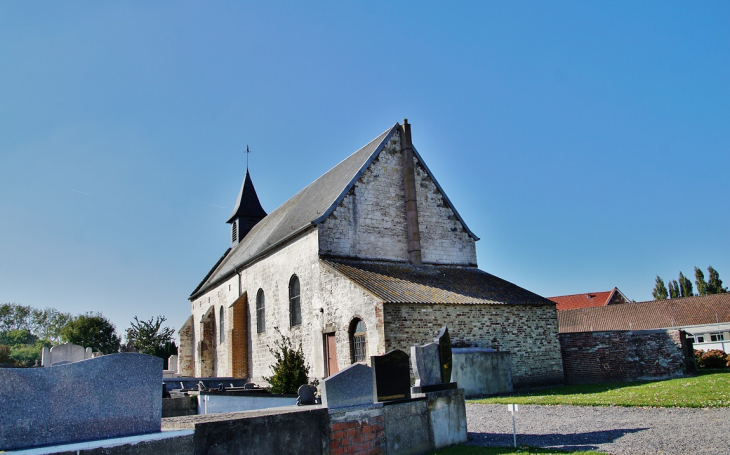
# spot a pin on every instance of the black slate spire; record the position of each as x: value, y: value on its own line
x: 246, y: 213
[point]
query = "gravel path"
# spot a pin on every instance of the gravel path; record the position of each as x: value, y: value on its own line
x: 606, y: 429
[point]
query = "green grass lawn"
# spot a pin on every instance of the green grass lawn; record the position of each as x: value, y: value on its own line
x: 710, y: 389
x: 468, y: 450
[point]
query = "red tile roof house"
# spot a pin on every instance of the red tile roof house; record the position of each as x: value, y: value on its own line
x: 707, y: 318
x: 590, y: 299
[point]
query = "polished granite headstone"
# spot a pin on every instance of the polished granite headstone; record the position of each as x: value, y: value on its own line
x: 392, y: 373
x: 444, y: 341
x: 306, y: 395
x: 426, y: 363
x: 351, y: 386
x: 105, y: 397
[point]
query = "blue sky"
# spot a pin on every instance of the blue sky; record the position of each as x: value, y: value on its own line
x: 586, y: 143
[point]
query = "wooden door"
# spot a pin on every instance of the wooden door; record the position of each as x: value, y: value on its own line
x: 331, y: 353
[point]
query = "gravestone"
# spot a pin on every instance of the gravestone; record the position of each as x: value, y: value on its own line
x: 426, y: 363
x: 306, y: 394
x: 65, y: 404
x: 63, y: 354
x: 392, y: 376
x: 432, y: 364
x: 444, y: 342
x: 351, y: 386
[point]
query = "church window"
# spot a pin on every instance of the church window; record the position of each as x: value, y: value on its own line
x: 234, y: 231
x: 358, y: 344
x: 295, y: 304
x: 260, y: 315
x: 222, y: 327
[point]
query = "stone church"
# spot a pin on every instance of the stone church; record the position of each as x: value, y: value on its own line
x: 372, y: 256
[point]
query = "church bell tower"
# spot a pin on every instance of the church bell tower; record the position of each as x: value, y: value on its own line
x: 246, y: 213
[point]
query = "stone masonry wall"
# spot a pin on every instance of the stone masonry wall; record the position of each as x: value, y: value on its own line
x: 444, y: 240
x: 343, y: 301
x: 370, y: 222
x: 272, y: 275
x: 529, y: 333
x: 622, y: 355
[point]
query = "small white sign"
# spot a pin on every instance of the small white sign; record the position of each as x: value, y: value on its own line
x: 512, y: 407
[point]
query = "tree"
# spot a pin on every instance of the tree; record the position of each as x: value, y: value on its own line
x: 660, y: 290
x: 48, y: 323
x: 714, y: 283
x: 685, y: 286
x: 149, y: 337
x: 700, y: 282
x: 5, y: 356
x: 94, y: 331
x: 290, y: 370
x: 14, y: 317
x: 673, y: 289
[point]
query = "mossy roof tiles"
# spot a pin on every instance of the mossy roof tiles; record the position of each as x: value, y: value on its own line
x: 433, y: 284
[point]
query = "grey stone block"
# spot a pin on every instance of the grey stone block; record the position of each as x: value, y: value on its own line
x: 352, y: 386
x: 104, y: 397
x: 426, y: 364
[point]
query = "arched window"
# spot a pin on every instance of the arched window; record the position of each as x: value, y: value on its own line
x: 358, y: 343
x: 260, y: 314
x: 222, y: 327
x: 295, y: 306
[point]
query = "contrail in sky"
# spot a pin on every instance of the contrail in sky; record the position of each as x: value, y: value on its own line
x: 77, y: 191
x: 213, y: 205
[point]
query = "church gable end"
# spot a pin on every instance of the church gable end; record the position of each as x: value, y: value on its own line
x: 370, y: 221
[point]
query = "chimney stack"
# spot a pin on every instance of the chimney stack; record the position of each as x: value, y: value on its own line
x: 414, y: 234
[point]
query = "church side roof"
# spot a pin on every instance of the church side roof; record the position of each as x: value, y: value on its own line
x: 305, y: 209
x: 433, y: 284
x: 659, y: 314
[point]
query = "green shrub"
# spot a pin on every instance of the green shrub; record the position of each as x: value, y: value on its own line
x: 714, y: 358
x: 290, y: 370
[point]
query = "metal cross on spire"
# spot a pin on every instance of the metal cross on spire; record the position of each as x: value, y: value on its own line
x: 247, y: 152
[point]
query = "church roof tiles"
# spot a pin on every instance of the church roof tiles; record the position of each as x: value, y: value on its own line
x: 433, y: 284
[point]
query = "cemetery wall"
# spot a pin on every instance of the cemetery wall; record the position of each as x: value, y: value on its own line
x: 370, y: 222
x: 302, y: 431
x: 622, y: 355
x: 529, y: 333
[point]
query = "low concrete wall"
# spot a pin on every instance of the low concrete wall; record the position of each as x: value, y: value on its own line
x: 296, y: 429
x: 241, y: 401
x: 164, y: 443
x: 406, y: 428
x: 623, y: 355
x: 177, y: 407
x: 79, y: 401
x: 482, y: 371
x: 447, y: 417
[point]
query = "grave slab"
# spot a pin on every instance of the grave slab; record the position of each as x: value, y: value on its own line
x: 351, y: 386
x: 105, y: 397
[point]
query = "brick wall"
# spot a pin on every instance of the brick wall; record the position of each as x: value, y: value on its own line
x: 360, y: 432
x: 622, y: 355
x: 529, y: 333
